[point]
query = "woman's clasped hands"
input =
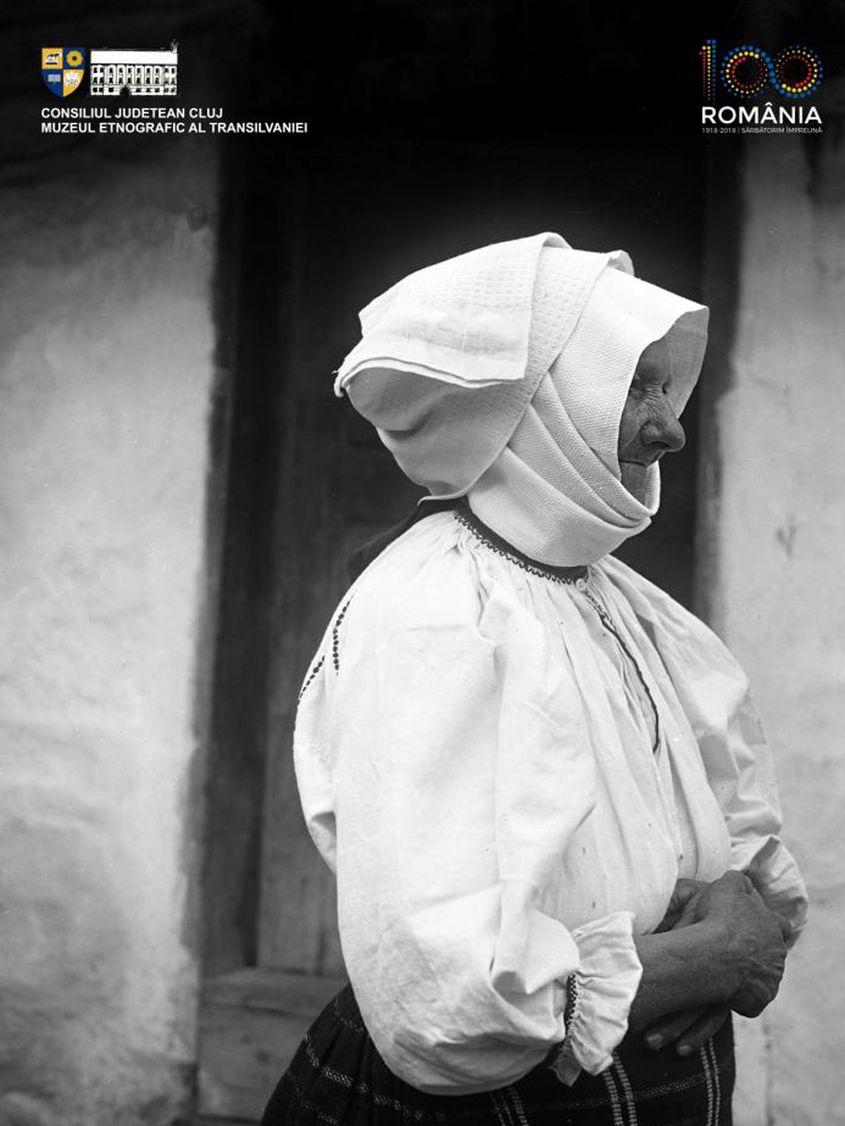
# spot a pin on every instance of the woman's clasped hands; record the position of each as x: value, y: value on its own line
x: 735, y: 949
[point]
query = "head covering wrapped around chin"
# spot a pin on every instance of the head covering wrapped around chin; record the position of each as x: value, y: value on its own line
x: 502, y: 375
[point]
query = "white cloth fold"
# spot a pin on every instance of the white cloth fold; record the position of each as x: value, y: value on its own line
x: 607, y: 977
x: 451, y: 355
x: 475, y: 764
x: 502, y: 374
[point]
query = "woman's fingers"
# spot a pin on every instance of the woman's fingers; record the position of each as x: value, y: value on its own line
x: 698, y: 1033
x: 683, y: 894
x: 688, y: 1030
x: 669, y: 1028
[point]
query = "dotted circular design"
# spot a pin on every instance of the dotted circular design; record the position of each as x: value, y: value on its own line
x: 806, y: 71
x: 756, y: 67
x: 795, y: 71
x: 74, y: 58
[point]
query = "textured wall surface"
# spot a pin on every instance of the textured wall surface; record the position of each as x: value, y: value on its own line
x: 780, y: 596
x: 105, y: 373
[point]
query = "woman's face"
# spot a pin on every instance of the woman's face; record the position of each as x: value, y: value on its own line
x: 649, y: 426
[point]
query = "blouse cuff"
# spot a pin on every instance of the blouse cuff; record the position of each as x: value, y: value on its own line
x: 599, y: 996
x: 774, y: 873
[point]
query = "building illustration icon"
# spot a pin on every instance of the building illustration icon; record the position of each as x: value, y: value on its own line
x: 142, y: 73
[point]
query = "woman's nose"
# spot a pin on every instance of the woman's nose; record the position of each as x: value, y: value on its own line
x: 664, y: 431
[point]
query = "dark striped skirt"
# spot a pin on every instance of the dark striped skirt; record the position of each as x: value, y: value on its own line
x: 337, y: 1078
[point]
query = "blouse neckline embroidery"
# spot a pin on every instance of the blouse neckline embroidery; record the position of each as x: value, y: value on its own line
x: 567, y: 576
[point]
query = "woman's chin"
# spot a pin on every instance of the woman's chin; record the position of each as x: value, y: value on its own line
x: 635, y: 479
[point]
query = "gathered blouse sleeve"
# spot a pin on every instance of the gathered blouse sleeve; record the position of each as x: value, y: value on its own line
x: 714, y: 695
x: 442, y: 766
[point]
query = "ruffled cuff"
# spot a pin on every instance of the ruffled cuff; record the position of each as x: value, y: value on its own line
x: 773, y: 871
x: 599, y: 996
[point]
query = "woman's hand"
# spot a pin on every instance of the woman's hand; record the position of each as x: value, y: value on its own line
x: 679, y: 911
x: 688, y: 1030
x: 753, y: 939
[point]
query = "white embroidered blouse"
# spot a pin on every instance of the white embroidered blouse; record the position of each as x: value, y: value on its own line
x: 507, y: 773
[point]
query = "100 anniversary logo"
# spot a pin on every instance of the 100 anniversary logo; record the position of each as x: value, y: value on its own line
x: 747, y: 72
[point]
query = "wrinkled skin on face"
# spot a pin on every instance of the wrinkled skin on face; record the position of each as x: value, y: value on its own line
x: 649, y: 427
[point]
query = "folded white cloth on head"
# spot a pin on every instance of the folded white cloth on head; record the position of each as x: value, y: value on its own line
x: 451, y: 355
x: 502, y: 374
x: 555, y: 490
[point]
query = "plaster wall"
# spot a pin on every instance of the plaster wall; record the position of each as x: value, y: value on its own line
x: 779, y: 597
x: 105, y: 376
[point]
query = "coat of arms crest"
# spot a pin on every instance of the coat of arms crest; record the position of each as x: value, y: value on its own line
x: 62, y: 69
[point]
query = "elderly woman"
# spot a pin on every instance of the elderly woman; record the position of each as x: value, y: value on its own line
x: 535, y: 776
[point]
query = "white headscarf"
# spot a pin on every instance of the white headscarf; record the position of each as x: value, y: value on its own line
x: 502, y: 375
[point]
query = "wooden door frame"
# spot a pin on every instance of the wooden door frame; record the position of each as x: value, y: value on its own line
x: 254, y: 278
x: 246, y: 445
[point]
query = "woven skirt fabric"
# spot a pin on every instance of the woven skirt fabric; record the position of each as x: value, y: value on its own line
x: 337, y: 1078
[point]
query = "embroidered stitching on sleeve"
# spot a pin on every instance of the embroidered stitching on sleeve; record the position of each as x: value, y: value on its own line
x: 311, y: 676
x: 564, y: 1053
x: 335, y: 637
